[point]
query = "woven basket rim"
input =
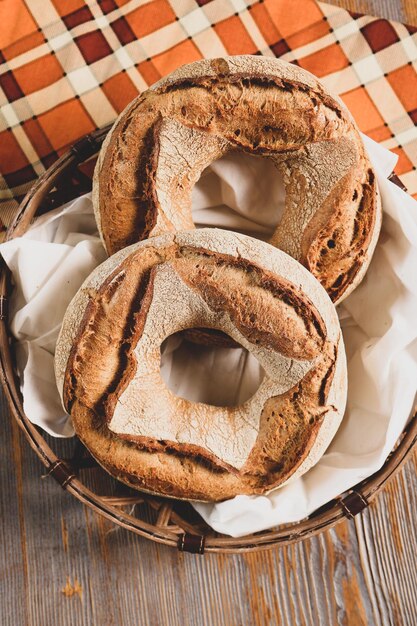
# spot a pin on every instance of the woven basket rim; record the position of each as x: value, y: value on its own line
x: 347, y: 505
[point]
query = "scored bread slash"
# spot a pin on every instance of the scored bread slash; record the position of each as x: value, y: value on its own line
x: 108, y: 365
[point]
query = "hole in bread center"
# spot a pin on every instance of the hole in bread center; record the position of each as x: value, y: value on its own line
x: 215, y: 375
x: 240, y: 192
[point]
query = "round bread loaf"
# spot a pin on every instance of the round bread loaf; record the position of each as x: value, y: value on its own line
x: 108, y: 365
x: 165, y: 138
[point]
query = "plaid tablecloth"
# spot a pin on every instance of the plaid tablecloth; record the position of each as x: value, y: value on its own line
x: 68, y: 67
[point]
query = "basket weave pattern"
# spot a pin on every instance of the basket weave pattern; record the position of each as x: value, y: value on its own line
x: 163, y: 520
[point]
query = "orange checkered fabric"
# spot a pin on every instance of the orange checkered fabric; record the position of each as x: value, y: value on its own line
x: 68, y: 67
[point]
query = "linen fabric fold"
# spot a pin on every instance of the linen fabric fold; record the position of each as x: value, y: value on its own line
x: 245, y: 194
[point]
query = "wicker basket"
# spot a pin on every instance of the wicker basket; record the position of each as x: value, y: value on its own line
x: 165, y: 521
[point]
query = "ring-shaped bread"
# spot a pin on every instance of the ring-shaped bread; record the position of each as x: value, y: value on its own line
x: 164, y: 139
x: 109, y: 352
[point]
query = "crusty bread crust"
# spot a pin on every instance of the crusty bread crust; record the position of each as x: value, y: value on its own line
x: 165, y: 138
x: 108, y: 353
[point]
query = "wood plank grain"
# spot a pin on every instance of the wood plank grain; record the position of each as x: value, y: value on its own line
x: 402, y: 11
x: 82, y: 570
x: 13, y: 565
x: 409, y: 8
x: 60, y: 564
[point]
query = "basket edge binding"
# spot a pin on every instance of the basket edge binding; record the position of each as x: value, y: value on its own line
x: 346, y: 506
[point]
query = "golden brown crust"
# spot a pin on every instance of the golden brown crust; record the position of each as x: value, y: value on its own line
x: 292, y: 335
x: 162, y: 142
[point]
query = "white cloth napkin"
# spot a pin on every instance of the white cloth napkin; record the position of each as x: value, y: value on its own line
x: 379, y: 323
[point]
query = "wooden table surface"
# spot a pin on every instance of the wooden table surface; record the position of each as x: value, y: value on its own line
x: 61, y: 565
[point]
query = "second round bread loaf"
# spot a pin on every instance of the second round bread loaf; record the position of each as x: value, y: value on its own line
x: 108, y: 365
x: 165, y: 138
